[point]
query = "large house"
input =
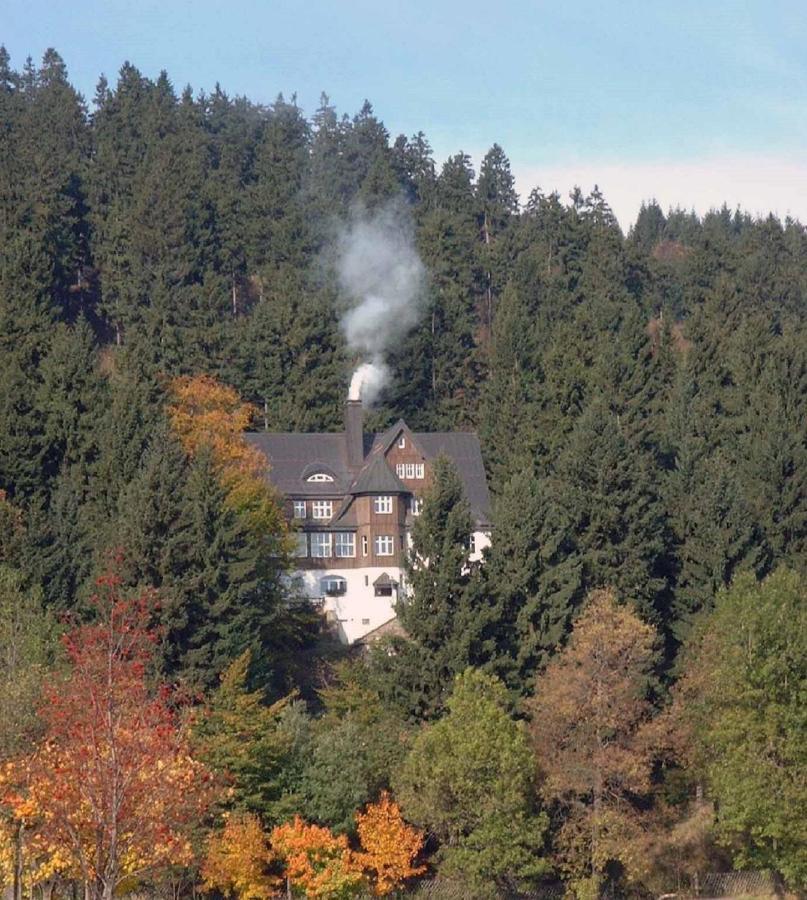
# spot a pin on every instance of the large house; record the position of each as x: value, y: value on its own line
x: 353, y: 497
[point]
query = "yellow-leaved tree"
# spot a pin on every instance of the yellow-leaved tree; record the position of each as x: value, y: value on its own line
x: 238, y: 859
x: 389, y: 845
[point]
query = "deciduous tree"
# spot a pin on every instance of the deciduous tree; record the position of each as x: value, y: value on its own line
x: 742, y: 720
x: 207, y: 414
x: 587, y: 714
x: 111, y: 789
x: 236, y: 734
x: 237, y: 860
x: 27, y: 649
x: 469, y: 780
x: 317, y: 862
x: 389, y: 845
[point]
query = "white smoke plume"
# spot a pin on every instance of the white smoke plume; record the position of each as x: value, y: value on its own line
x: 381, y: 274
x: 368, y: 380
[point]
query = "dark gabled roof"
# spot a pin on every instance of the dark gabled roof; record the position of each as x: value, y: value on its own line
x: 294, y: 456
x: 462, y: 448
x: 345, y: 515
x: 377, y: 478
x: 384, y: 580
x: 385, y: 439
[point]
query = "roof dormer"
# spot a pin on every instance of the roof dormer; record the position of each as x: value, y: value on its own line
x: 318, y: 473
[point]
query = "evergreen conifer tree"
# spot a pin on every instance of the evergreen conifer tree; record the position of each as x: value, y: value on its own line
x: 446, y: 613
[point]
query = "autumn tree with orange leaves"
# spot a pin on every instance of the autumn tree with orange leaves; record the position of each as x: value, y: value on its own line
x: 111, y: 794
x: 318, y: 863
x: 240, y: 856
x: 208, y: 415
x: 389, y: 845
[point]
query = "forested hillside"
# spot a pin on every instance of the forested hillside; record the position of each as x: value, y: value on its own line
x: 642, y: 405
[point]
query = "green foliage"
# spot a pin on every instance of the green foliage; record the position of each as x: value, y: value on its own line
x: 186, y: 232
x: 469, y: 780
x: 350, y: 764
x: 238, y: 735
x: 446, y: 613
x: 641, y: 403
x: 223, y: 603
x: 27, y: 652
x: 356, y: 746
x: 748, y: 678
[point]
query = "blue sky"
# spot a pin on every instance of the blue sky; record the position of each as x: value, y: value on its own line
x: 693, y: 102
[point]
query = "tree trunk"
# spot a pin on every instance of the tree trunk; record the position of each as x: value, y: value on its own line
x: 490, y: 304
x: 696, y: 882
x: 595, y: 831
x: 434, y: 371
x: 18, y: 862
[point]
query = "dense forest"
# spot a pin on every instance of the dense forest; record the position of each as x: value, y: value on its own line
x: 613, y: 700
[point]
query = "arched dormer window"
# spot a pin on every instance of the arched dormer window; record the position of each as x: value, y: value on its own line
x: 320, y: 476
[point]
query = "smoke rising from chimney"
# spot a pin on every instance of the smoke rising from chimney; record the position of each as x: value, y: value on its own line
x: 382, y: 276
x: 368, y: 380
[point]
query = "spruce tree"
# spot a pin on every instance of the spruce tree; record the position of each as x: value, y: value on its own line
x: 648, y: 229
x: 605, y: 505
x: 497, y: 202
x: 445, y: 611
x: 71, y: 398
x: 277, y: 228
x: 528, y: 627
x: 222, y: 607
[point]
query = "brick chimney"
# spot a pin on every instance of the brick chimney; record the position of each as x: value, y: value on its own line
x: 354, y: 433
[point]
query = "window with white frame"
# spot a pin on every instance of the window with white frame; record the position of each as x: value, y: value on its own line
x: 364, y: 545
x: 299, y: 509
x: 410, y: 470
x: 384, y: 545
x: 320, y: 476
x: 382, y: 504
x: 400, y: 470
x: 320, y: 544
x: 344, y: 544
x: 402, y: 442
x: 322, y: 509
x: 301, y: 545
x: 415, y: 506
x: 420, y: 470
x: 472, y: 543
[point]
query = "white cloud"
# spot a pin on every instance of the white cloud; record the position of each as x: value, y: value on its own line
x: 758, y: 184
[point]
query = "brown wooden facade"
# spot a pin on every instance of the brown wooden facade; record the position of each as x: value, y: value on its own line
x: 368, y: 524
x: 365, y: 522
